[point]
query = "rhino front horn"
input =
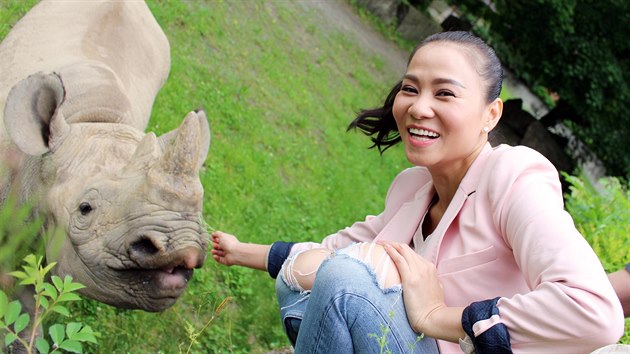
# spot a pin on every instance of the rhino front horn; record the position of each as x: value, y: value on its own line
x: 186, y: 152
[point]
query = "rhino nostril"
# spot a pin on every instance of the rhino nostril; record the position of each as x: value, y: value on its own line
x: 144, y: 246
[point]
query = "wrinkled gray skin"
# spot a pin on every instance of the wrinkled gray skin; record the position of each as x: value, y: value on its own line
x: 77, y: 86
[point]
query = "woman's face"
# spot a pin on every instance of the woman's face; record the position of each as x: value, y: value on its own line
x: 441, y: 108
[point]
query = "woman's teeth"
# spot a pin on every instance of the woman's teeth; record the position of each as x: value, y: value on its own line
x: 422, y: 133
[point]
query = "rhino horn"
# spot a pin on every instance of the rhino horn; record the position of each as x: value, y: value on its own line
x: 186, y: 148
x: 32, y: 113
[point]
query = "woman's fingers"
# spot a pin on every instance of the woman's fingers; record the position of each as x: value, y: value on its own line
x: 395, y: 253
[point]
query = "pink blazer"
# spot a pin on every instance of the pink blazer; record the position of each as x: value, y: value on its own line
x: 505, y: 234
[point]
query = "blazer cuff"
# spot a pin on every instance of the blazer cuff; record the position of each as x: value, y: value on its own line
x: 277, y: 255
x: 482, y: 323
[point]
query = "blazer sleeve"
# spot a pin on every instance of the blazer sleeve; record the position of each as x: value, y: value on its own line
x: 572, y: 306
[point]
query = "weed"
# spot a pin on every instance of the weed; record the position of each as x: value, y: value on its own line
x: 382, y: 338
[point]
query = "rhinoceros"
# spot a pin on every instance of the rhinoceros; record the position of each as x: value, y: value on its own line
x: 78, y: 81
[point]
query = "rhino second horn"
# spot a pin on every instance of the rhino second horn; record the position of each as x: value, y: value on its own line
x: 146, y: 153
x: 181, y: 155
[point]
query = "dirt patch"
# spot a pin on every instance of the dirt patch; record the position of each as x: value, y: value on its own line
x: 338, y: 14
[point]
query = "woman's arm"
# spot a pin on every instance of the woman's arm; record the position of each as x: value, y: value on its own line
x: 228, y: 250
x: 571, y: 305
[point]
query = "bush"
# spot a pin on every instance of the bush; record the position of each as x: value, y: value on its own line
x: 601, y: 214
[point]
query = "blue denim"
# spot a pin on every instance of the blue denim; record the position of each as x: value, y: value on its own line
x: 347, y: 312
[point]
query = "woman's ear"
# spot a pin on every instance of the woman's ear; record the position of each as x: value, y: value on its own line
x: 493, y: 113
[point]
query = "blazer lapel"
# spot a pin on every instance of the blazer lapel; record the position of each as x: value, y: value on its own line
x: 433, y: 248
x: 403, y: 225
x: 467, y: 187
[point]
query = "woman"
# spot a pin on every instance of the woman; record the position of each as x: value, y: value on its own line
x: 473, y: 250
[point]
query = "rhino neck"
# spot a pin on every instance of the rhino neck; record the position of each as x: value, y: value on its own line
x: 32, y: 180
x: 95, y: 94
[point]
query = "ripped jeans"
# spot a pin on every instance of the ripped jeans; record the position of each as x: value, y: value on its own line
x: 351, y: 308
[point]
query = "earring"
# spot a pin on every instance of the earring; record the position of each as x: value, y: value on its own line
x: 486, y: 130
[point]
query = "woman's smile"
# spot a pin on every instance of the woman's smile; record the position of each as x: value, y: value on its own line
x: 421, y: 137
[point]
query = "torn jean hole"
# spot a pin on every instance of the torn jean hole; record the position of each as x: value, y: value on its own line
x: 299, y: 270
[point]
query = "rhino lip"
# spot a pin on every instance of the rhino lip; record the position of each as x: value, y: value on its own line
x: 172, y: 278
x: 164, y: 282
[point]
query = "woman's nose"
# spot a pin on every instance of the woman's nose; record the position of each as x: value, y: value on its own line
x: 421, y: 108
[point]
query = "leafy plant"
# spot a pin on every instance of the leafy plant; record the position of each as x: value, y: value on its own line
x: 49, y: 299
x: 601, y: 213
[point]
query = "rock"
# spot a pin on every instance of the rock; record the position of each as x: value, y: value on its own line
x: 415, y: 26
x: 386, y: 10
x: 539, y: 138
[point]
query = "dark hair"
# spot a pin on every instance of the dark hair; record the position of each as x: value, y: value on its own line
x: 379, y: 123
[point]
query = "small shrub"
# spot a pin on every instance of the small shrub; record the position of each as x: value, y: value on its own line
x: 22, y: 328
x: 601, y: 214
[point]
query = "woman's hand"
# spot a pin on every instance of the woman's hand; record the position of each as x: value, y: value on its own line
x: 423, y: 295
x: 224, y: 248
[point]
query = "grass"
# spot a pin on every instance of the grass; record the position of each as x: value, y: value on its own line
x: 279, y: 90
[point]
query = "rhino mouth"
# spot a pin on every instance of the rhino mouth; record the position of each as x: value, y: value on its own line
x: 161, y: 271
x: 170, y: 281
x: 158, y: 283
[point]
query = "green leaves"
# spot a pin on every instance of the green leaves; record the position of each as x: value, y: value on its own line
x: 49, y: 298
x: 601, y: 213
x: 69, y: 337
x: 11, y: 317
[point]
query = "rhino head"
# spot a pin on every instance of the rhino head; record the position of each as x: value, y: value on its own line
x: 127, y: 205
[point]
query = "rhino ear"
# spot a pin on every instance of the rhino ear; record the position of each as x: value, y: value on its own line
x: 32, y: 116
x: 194, y: 132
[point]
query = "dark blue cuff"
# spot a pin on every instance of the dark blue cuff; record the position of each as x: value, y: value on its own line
x: 277, y: 254
x: 495, y: 339
x: 628, y: 267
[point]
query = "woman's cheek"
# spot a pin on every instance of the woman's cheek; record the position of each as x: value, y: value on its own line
x: 398, y: 110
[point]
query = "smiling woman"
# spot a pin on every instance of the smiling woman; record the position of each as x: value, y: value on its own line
x: 484, y: 255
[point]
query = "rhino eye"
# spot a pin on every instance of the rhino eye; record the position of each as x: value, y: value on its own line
x: 85, y: 208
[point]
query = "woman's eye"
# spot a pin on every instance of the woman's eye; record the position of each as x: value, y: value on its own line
x: 85, y: 208
x: 409, y: 89
x: 445, y: 94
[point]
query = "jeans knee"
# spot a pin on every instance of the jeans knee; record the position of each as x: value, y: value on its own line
x: 345, y: 274
x: 299, y: 271
x: 375, y: 257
